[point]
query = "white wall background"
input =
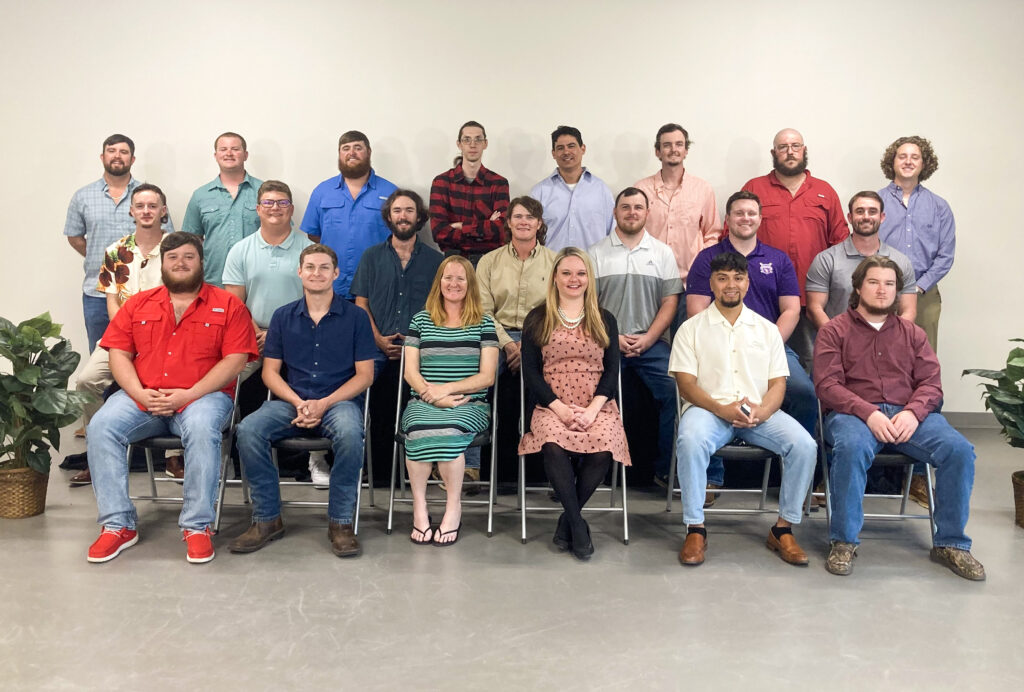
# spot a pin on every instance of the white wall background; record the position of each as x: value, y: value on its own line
x: 291, y: 76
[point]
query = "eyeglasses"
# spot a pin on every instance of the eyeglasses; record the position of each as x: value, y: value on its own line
x: 782, y: 148
x: 269, y: 203
x: 473, y: 140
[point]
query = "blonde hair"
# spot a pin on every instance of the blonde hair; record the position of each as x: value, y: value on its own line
x: 472, y: 310
x: 593, y: 323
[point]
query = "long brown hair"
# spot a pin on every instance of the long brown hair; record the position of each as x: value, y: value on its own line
x: 593, y: 323
x: 472, y: 311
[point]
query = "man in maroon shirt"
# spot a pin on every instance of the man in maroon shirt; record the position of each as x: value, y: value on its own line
x: 175, y: 351
x: 879, y: 379
x: 468, y: 202
x: 801, y: 215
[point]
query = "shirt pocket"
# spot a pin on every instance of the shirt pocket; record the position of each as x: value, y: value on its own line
x: 250, y: 219
x: 815, y: 211
x: 146, y: 329
x: 771, y: 211
x: 211, y: 216
x: 207, y: 334
x: 332, y: 215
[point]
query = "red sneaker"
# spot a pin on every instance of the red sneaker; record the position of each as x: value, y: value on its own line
x: 110, y: 544
x: 199, y: 545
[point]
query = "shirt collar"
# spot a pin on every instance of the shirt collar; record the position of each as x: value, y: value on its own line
x: 216, y: 183
x: 458, y: 174
x: 515, y: 255
x: 558, y: 178
x: 371, y: 182
x: 644, y: 243
x: 890, y: 320
x: 415, y: 247
x: 132, y: 184
x: 852, y: 251
x: 716, y: 317
x: 335, y: 309
x: 756, y: 252
x: 284, y: 244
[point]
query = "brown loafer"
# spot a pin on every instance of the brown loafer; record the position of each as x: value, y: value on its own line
x: 81, y: 478
x: 693, y: 550
x: 80, y: 432
x: 343, y: 540
x: 257, y: 536
x: 175, y: 466
x: 788, y: 549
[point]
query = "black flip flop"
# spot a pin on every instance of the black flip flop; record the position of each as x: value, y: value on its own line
x: 423, y: 532
x: 440, y: 544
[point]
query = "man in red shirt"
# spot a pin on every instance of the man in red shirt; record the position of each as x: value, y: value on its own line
x: 175, y: 351
x: 801, y: 215
x: 880, y: 381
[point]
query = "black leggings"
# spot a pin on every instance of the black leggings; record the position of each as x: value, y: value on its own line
x: 574, y: 489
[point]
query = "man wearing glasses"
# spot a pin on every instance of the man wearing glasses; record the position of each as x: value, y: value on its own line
x: 801, y: 215
x: 468, y: 202
x: 223, y: 211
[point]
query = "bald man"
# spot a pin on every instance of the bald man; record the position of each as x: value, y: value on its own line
x: 801, y: 215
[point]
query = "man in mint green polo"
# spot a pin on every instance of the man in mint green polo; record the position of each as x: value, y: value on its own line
x: 223, y: 211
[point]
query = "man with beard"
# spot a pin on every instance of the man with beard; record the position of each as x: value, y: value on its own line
x: 175, y: 351
x: 223, y: 211
x: 801, y: 215
x: 828, y: 279
x: 880, y: 381
x: 326, y: 347
x: 683, y: 213
x: 468, y: 202
x: 920, y: 224
x: 344, y: 212
x: 130, y: 265
x: 578, y: 206
x: 97, y: 217
x: 638, y: 282
x: 730, y: 366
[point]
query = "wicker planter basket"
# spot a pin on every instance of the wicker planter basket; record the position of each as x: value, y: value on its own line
x: 22, y: 493
x: 1018, y: 497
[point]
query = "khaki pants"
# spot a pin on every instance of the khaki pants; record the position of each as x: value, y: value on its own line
x: 94, y: 379
x: 929, y: 305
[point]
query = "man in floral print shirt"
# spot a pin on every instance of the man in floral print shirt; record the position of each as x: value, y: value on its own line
x: 130, y: 265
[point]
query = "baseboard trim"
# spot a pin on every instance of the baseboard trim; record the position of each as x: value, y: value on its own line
x: 972, y: 419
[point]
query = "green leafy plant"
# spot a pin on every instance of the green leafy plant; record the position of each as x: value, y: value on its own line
x: 1005, y: 398
x: 34, y: 399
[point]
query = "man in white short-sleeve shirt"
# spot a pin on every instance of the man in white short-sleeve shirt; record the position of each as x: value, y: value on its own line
x: 730, y: 366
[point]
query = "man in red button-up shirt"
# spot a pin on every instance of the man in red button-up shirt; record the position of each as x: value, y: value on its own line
x: 175, y: 351
x: 880, y: 381
x: 801, y: 215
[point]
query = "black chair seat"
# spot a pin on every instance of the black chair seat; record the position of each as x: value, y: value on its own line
x: 736, y: 451
x: 304, y: 443
x: 159, y: 442
x: 481, y: 439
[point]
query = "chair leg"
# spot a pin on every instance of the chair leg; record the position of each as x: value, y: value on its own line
x: 492, y: 487
x: 522, y: 498
x: 931, y: 499
x: 625, y: 508
x: 614, y: 487
x: 225, y: 459
x: 149, y: 467
x: 908, y: 476
x: 391, y: 497
x: 764, y: 482
x: 671, y: 484
x: 359, y: 500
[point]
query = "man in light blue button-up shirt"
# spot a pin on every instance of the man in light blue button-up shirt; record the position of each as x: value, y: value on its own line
x: 344, y: 211
x: 919, y: 224
x: 223, y: 211
x: 578, y: 206
x: 98, y: 217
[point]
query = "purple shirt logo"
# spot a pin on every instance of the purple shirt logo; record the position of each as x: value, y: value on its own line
x: 766, y: 268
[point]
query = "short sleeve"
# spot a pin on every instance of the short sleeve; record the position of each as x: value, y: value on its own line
x: 787, y: 283
x: 364, y: 347
x: 488, y: 335
x: 119, y: 332
x: 819, y: 273
x: 273, y: 346
x: 193, y: 222
x: 364, y: 274
x: 415, y: 326
x: 239, y: 335
x: 311, y: 218
x: 698, y: 280
x: 684, y: 352
x: 74, y: 224
x: 234, y: 266
x: 778, y: 365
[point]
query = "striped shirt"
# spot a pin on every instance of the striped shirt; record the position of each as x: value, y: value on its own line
x: 453, y: 199
x: 450, y: 354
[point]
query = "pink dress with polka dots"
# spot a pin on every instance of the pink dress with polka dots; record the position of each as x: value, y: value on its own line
x: 573, y: 364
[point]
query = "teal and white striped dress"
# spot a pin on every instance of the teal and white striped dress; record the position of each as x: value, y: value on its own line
x: 447, y: 354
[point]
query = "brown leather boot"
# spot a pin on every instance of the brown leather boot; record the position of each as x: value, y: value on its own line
x: 257, y: 536
x: 343, y: 540
x: 174, y: 466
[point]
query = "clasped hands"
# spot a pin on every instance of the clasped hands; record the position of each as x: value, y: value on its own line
x: 165, y: 402
x: 440, y: 395
x: 574, y: 417
x: 632, y: 345
x: 310, y: 413
x: 734, y: 414
x: 896, y: 430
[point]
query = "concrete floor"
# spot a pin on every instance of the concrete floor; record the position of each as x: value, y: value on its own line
x: 492, y: 613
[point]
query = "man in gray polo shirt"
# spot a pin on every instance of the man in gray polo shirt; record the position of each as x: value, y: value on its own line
x: 638, y: 282
x: 829, y: 277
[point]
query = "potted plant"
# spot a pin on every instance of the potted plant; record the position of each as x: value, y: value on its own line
x: 34, y: 405
x: 1005, y: 399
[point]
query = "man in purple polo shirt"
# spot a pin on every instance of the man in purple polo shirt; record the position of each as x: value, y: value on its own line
x: 774, y: 294
x: 879, y: 378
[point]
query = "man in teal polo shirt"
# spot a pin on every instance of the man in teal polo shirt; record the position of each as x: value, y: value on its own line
x: 223, y: 211
x: 344, y: 211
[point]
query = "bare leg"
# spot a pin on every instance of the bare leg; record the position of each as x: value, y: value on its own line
x: 451, y: 474
x: 419, y: 472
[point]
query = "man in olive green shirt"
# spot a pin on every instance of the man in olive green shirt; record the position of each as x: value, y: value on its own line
x: 223, y: 211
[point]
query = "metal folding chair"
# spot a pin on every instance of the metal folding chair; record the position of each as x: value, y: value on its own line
x: 170, y: 442
x: 617, y: 470
x: 316, y: 443
x: 398, y: 457
x: 883, y: 458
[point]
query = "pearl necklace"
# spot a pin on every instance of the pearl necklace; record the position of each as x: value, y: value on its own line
x: 570, y: 323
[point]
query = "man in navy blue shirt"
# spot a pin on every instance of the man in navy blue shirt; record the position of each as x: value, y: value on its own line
x: 327, y: 345
x: 344, y: 211
x: 774, y: 294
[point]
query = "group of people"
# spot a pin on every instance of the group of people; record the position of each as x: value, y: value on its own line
x: 568, y: 284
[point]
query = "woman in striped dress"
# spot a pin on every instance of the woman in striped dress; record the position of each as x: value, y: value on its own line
x: 451, y: 354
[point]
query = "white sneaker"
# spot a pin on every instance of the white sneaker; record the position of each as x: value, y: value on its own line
x: 319, y: 472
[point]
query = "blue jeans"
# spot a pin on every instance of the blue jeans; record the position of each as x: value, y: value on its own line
x: 342, y: 424
x: 651, y: 367
x: 119, y: 422
x: 800, y: 403
x: 935, y: 441
x: 701, y: 433
x: 96, y: 318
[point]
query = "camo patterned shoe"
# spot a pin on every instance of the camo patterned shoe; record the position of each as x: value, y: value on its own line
x: 840, y: 558
x: 961, y: 562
